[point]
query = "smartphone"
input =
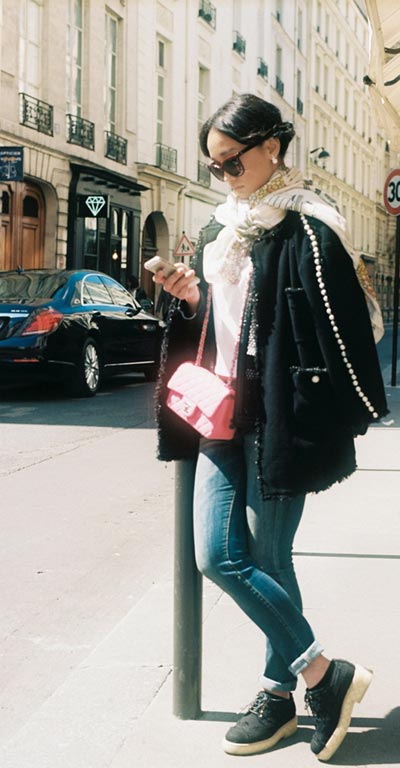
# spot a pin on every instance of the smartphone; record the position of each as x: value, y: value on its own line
x: 167, y: 267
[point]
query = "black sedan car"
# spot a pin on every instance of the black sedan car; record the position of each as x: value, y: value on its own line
x: 74, y: 326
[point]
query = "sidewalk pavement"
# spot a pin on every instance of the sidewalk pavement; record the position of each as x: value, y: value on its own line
x: 115, y: 709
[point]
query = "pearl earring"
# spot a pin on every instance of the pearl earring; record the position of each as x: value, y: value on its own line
x: 274, y: 160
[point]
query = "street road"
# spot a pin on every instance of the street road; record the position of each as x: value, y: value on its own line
x: 87, y: 523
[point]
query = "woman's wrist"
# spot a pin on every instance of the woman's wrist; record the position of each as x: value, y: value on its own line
x: 193, y: 300
x: 191, y: 309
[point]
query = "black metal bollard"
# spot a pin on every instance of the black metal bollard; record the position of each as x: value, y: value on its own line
x: 187, y: 601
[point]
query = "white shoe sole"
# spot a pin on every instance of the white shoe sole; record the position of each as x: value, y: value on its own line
x: 359, y: 685
x: 231, y: 748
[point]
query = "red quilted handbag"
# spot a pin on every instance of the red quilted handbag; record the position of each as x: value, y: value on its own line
x: 203, y: 400
x: 199, y: 396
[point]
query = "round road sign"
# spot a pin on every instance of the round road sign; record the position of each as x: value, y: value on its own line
x: 391, y: 192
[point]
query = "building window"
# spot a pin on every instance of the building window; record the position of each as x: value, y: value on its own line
x: 74, y: 57
x: 162, y: 82
x: 278, y: 62
x: 317, y: 73
x: 316, y: 133
x: 202, y: 100
x: 327, y: 24
x: 30, y: 35
x: 326, y: 81
x: 319, y: 17
x: 337, y: 93
x: 346, y: 103
x: 90, y: 248
x: 110, y: 78
x: 203, y: 174
x: 300, y: 30
x: 299, y: 90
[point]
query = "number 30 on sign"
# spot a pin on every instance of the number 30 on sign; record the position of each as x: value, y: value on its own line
x: 391, y: 192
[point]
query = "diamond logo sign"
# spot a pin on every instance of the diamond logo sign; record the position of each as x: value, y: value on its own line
x: 95, y: 203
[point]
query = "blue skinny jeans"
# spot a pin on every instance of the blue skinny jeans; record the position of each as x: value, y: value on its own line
x: 244, y: 544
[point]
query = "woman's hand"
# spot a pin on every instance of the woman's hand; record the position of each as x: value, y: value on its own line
x: 180, y: 284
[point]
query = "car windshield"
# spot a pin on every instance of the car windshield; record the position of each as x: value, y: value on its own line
x: 24, y: 286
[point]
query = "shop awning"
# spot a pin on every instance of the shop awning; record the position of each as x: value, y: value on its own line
x: 384, y: 70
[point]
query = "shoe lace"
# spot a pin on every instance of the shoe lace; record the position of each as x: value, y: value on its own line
x: 259, y: 704
x: 314, y: 703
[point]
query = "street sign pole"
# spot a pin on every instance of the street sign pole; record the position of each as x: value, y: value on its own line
x: 187, y: 600
x: 391, y: 199
x: 396, y: 304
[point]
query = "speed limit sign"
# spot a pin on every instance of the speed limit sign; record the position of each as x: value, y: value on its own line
x: 391, y: 192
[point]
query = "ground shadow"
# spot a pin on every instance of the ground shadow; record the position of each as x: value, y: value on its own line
x: 379, y: 744
x: 123, y: 402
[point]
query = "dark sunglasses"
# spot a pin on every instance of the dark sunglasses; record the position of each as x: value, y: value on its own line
x: 233, y: 165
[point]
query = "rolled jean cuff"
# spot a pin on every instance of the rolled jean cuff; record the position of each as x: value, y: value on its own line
x: 312, y: 652
x: 273, y: 685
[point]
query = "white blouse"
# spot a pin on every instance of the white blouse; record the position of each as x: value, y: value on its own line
x: 228, y: 303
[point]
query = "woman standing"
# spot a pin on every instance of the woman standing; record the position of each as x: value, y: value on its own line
x: 291, y: 320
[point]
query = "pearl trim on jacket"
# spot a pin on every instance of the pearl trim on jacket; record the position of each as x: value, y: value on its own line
x: 332, y: 319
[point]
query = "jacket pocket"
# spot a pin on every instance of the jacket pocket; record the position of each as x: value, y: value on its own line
x: 314, y: 407
x: 303, y: 330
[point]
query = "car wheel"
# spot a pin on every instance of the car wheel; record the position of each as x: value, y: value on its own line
x: 87, y: 377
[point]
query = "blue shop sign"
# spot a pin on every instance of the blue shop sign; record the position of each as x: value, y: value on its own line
x: 11, y: 163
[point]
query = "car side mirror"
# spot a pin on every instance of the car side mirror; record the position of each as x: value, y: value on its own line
x: 135, y: 309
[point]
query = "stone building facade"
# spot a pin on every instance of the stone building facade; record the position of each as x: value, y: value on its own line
x: 106, y: 100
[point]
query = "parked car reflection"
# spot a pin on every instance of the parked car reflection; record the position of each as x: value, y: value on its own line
x: 73, y: 326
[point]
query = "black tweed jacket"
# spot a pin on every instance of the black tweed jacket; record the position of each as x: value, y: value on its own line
x: 315, y: 380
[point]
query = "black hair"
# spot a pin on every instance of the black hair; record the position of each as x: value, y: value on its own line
x: 249, y: 120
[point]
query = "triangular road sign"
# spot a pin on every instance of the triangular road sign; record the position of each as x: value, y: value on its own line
x: 184, y: 247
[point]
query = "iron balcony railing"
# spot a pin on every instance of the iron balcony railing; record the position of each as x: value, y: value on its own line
x: 203, y: 174
x: 239, y: 44
x: 36, y: 114
x: 166, y: 158
x: 80, y: 131
x: 262, y: 69
x: 279, y: 86
x: 208, y: 12
x: 115, y: 147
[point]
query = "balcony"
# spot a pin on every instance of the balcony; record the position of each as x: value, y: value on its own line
x: 166, y: 158
x: 203, y: 174
x: 279, y: 86
x: 36, y: 114
x: 208, y: 12
x: 262, y: 69
x: 115, y: 147
x: 299, y: 106
x: 80, y: 131
x: 239, y: 44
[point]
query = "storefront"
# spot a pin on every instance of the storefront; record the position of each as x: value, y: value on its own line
x: 104, y: 222
x: 22, y: 218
